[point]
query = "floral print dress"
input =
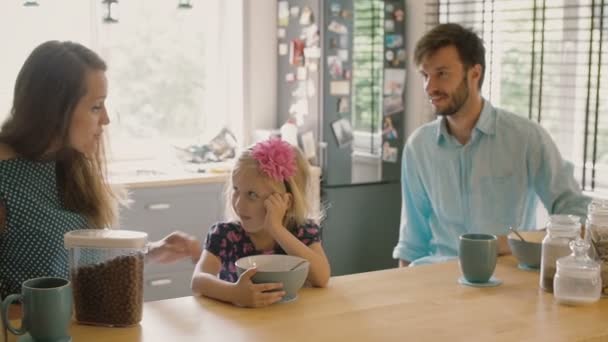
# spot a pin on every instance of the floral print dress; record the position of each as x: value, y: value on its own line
x: 229, y: 242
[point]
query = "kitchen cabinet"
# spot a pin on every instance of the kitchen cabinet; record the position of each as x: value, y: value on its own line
x: 159, y: 210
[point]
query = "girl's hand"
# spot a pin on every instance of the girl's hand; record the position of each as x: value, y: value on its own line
x: 276, y: 206
x: 256, y: 295
x: 173, y: 247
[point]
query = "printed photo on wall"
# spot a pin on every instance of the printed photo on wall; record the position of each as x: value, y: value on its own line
x: 306, y: 18
x: 393, y: 41
x: 343, y: 106
x: 389, y: 154
x: 335, y: 8
x: 294, y: 11
x: 398, y: 14
x: 388, y: 129
x: 283, y: 13
x: 296, y: 52
x: 394, y: 80
x: 389, y: 26
x: 334, y: 65
x: 343, y: 132
x: 336, y: 27
x: 393, y: 104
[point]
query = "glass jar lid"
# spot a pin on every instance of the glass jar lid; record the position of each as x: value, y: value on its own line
x: 598, y: 212
x: 105, y: 238
x: 564, y: 224
x: 578, y: 264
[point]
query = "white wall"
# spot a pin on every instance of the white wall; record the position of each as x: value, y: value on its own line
x: 417, y: 109
x: 260, y: 66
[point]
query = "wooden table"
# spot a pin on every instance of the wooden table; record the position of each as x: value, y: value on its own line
x: 423, y: 303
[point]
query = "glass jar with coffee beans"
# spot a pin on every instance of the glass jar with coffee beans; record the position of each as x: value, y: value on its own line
x: 106, y: 271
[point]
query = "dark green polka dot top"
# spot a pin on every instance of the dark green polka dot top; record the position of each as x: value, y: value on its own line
x: 31, y: 242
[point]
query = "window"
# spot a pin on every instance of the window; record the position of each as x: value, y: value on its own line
x: 169, y: 68
x: 546, y: 60
x: 368, y: 59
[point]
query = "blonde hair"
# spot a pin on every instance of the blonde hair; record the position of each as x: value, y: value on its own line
x: 297, y: 185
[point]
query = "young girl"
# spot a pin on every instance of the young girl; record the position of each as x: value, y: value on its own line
x: 268, y: 197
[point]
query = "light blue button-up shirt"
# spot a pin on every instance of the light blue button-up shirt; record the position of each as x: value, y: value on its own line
x: 492, y: 182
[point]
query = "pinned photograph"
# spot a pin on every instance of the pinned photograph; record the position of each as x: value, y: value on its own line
x: 347, y: 74
x: 302, y: 73
x: 398, y: 14
x: 336, y: 27
x: 294, y: 11
x: 335, y: 8
x: 393, y: 104
x: 290, y: 77
x: 345, y: 14
x: 343, y: 42
x: 393, y: 41
x: 283, y: 13
x: 343, y: 131
x: 281, y: 32
x: 334, y: 65
x: 389, y: 26
x: 283, y: 49
x: 390, y: 55
x: 343, y: 54
x: 343, y: 105
x: 311, y: 35
x: 333, y: 43
x: 389, y: 154
x: 312, y: 52
x: 309, y: 145
x: 394, y: 80
x: 306, y: 18
x: 296, y: 52
x: 401, y: 55
x: 337, y: 88
x: 388, y: 129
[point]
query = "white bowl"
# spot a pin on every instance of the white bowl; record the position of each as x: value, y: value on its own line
x: 276, y: 268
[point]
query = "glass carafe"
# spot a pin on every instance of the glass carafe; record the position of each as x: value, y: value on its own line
x: 577, y: 279
x: 561, y: 229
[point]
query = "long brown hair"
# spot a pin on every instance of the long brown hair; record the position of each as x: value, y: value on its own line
x: 48, y: 87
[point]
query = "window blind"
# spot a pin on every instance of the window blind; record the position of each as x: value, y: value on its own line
x: 547, y: 60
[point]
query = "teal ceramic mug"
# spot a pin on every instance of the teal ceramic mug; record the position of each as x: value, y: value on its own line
x: 477, y: 256
x: 47, y: 309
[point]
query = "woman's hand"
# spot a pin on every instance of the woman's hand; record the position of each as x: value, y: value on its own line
x: 276, y: 206
x: 253, y: 295
x: 173, y: 247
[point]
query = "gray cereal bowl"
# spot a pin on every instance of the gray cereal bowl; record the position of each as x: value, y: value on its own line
x: 528, y: 253
x: 277, y: 268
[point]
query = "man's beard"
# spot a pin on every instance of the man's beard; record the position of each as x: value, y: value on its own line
x: 457, y: 99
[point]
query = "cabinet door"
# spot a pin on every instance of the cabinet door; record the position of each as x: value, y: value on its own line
x: 162, y: 210
x: 361, y: 227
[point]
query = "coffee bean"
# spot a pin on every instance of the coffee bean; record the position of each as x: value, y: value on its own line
x: 109, y: 293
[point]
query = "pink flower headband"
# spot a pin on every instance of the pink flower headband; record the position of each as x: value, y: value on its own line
x: 276, y: 158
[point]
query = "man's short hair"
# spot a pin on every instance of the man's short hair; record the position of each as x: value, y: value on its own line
x: 468, y: 44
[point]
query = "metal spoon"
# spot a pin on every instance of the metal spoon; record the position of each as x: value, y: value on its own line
x: 517, y: 233
x: 298, y: 265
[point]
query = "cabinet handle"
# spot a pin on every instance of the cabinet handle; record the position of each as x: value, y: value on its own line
x: 160, y: 282
x: 158, y: 206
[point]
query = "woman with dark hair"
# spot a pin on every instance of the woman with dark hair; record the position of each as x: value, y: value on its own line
x: 52, y: 166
